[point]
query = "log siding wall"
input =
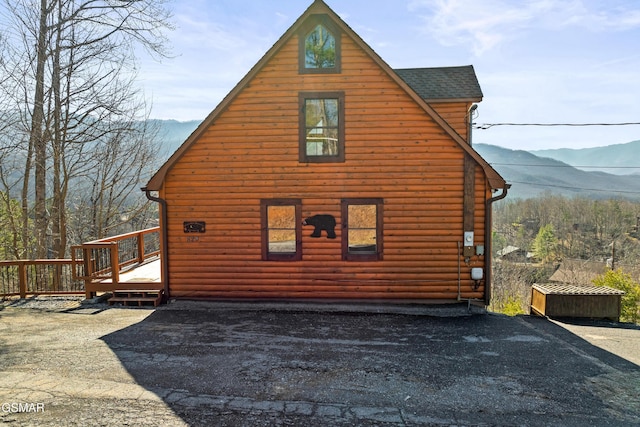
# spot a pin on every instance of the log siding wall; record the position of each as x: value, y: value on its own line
x: 393, y: 151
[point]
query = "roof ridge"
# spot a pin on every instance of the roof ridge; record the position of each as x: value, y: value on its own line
x: 434, y: 68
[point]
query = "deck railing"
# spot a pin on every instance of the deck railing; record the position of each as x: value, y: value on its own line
x: 40, y: 276
x: 100, y: 262
x: 94, y: 266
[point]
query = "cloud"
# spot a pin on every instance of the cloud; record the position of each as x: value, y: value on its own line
x: 486, y: 24
x: 203, y: 34
x: 616, y: 20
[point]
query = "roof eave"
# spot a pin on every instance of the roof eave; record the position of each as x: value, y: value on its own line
x: 451, y: 100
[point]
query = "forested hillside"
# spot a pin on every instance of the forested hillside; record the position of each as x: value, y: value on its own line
x: 543, y: 232
x: 618, y: 159
x: 532, y: 176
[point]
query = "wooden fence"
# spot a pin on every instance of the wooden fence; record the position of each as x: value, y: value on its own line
x: 94, y: 266
x: 40, y: 276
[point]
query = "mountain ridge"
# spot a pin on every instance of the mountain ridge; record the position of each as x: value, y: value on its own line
x: 531, y: 175
x: 617, y: 159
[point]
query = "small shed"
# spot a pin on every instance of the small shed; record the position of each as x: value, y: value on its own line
x: 327, y: 174
x: 578, y: 301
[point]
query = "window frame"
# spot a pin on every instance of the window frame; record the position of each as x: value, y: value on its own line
x: 264, y: 217
x: 302, y: 127
x: 305, y: 30
x: 351, y: 256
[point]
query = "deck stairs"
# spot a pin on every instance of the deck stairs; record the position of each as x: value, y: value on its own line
x: 132, y: 297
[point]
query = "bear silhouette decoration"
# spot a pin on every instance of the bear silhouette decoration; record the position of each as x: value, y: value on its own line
x: 322, y: 222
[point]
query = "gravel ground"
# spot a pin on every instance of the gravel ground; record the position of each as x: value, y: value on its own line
x: 61, y: 304
x: 260, y: 365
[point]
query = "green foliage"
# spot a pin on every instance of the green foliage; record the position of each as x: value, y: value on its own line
x: 585, y: 228
x: 10, y: 218
x: 498, y: 242
x: 545, y: 245
x: 618, y: 279
x: 512, y: 307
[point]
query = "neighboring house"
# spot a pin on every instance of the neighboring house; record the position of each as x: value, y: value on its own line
x: 325, y: 174
x: 583, y: 272
x: 514, y: 254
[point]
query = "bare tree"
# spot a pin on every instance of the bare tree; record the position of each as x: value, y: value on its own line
x: 72, y: 66
x: 110, y: 196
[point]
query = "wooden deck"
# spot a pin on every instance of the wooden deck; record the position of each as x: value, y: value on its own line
x: 140, y: 285
x: 147, y: 272
x: 142, y: 277
x: 126, y: 262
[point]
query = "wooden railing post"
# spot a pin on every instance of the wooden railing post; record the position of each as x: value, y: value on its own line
x: 140, y: 241
x: 57, y: 276
x: 115, y: 264
x: 88, y: 271
x: 22, y: 279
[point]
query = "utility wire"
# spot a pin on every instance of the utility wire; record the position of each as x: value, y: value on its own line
x: 564, y: 166
x: 490, y: 125
x: 574, y: 188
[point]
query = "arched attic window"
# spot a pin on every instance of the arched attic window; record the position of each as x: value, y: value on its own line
x: 319, y: 47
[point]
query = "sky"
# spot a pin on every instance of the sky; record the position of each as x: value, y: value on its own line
x: 537, y: 61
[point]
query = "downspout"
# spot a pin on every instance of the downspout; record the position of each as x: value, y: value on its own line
x: 488, y: 222
x: 164, y: 235
x: 459, y: 272
x: 473, y: 108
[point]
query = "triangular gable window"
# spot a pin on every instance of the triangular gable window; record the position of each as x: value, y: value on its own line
x: 319, y: 47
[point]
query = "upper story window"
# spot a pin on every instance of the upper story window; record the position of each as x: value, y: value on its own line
x: 321, y: 127
x: 319, y: 47
x: 281, y: 229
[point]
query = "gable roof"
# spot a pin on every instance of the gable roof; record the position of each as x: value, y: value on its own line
x: 320, y: 7
x: 444, y: 84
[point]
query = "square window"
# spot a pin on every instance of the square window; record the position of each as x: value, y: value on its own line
x: 362, y: 225
x: 281, y: 229
x: 321, y: 127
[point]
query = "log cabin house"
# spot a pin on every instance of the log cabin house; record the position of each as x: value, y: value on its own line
x: 325, y: 174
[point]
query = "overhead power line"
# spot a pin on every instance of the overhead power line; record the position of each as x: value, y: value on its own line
x: 575, y: 188
x: 490, y: 125
x: 564, y: 166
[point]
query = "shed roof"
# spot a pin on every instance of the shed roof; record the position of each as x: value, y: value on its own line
x: 443, y: 83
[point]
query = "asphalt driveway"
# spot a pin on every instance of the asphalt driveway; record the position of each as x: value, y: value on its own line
x: 199, y: 363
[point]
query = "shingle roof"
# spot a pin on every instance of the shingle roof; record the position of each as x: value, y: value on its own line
x: 443, y: 83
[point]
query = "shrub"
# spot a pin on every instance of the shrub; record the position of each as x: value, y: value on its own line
x: 617, y: 279
x: 513, y: 307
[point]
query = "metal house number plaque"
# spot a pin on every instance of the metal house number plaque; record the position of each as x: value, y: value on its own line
x: 194, y: 226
